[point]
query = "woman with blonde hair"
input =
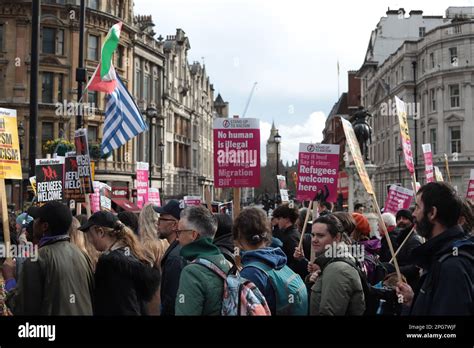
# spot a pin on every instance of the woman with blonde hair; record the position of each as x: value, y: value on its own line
x: 155, y: 248
x: 148, y: 235
x: 79, y: 239
x: 125, y: 279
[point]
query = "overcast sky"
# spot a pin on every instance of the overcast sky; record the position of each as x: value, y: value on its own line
x: 290, y: 48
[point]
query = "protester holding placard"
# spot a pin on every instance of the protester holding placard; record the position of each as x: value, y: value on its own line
x: 60, y: 280
x: 447, y: 257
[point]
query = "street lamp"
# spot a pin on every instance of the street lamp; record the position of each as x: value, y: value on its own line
x: 162, y: 147
x: 400, y: 150
x: 277, y: 139
x: 21, y: 135
x: 151, y: 113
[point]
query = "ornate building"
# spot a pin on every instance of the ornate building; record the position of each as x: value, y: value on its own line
x: 156, y: 72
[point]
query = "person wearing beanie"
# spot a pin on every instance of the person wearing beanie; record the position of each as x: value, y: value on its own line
x: 58, y: 271
x: 371, y: 247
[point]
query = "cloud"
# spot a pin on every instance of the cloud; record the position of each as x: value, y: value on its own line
x: 309, y: 131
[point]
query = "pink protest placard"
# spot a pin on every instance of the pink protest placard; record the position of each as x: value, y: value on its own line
x: 318, y: 166
x: 470, y: 187
x: 154, y: 196
x: 142, y: 184
x: 398, y: 198
x: 428, y: 155
x: 95, y: 197
x: 236, y: 152
x: 192, y: 200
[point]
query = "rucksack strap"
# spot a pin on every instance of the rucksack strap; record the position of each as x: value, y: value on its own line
x: 211, y: 266
x: 260, y: 265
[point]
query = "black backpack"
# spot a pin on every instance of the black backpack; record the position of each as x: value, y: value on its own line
x: 373, y: 295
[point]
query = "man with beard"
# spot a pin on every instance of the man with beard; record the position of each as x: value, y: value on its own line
x: 404, y: 219
x: 446, y: 286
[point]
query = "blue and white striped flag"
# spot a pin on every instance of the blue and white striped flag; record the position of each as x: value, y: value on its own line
x: 123, y: 119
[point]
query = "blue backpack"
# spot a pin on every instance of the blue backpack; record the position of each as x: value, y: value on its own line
x: 290, y: 290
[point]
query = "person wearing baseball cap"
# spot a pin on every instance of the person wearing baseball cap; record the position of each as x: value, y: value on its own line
x: 57, y: 270
x: 125, y: 280
x: 172, y: 263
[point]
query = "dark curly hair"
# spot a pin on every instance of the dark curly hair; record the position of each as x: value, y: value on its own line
x: 252, y: 226
x: 284, y: 211
x: 333, y: 224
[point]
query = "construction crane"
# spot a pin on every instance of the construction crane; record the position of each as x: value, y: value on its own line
x: 250, y: 98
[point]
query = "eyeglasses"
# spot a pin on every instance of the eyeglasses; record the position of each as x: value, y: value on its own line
x: 165, y: 219
x: 178, y: 232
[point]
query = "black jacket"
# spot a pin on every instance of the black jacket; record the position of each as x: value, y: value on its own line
x: 446, y: 288
x: 123, y: 284
x: 290, y: 237
x: 225, y: 243
x: 405, y: 258
x: 171, y: 266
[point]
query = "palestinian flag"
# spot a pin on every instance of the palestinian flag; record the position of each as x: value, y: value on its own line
x: 104, y: 78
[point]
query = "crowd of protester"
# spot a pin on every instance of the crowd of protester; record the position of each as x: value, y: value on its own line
x: 171, y: 261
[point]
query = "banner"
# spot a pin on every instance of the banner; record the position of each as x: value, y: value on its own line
x: 470, y: 187
x: 356, y: 155
x: 33, y: 183
x: 438, y: 175
x: 154, y: 196
x: 95, y: 197
x: 236, y: 152
x: 283, y: 189
x: 428, y: 155
x: 72, y: 182
x: 405, y: 134
x: 398, y: 198
x: 50, y: 179
x: 105, y: 195
x: 343, y: 184
x: 83, y: 160
x: 192, y: 200
x: 142, y: 184
x: 318, y: 165
x: 10, y: 159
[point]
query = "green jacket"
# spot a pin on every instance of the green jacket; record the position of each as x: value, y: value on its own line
x: 200, y: 289
x: 337, y: 291
x: 59, y: 282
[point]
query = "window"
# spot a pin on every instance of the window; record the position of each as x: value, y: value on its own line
x: 156, y: 93
x: 146, y: 87
x: 433, y: 140
x: 421, y: 31
x: 432, y: 99
x: 120, y: 56
x: 453, y: 56
x: 60, y: 87
x: 457, y: 29
x: 52, y: 41
x: 402, y: 73
x: 455, y: 139
x: 92, y: 98
x: 47, y: 87
x: 92, y: 132
x: 432, y: 61
x: 47, y: 131
x: 1, y: 37
x: 94, y: 4
x: 454, y: 95
x: 169, y: 151
x: 93, y: 47
x: 194, y: 158
x: 48, y: 40
x: 423, y: 66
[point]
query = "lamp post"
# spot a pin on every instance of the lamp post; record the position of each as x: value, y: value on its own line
x: 162, y: 147
x: 399, y: 150
x: 277, y: 139
x: 21, y: 135
x: 151, y: 113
